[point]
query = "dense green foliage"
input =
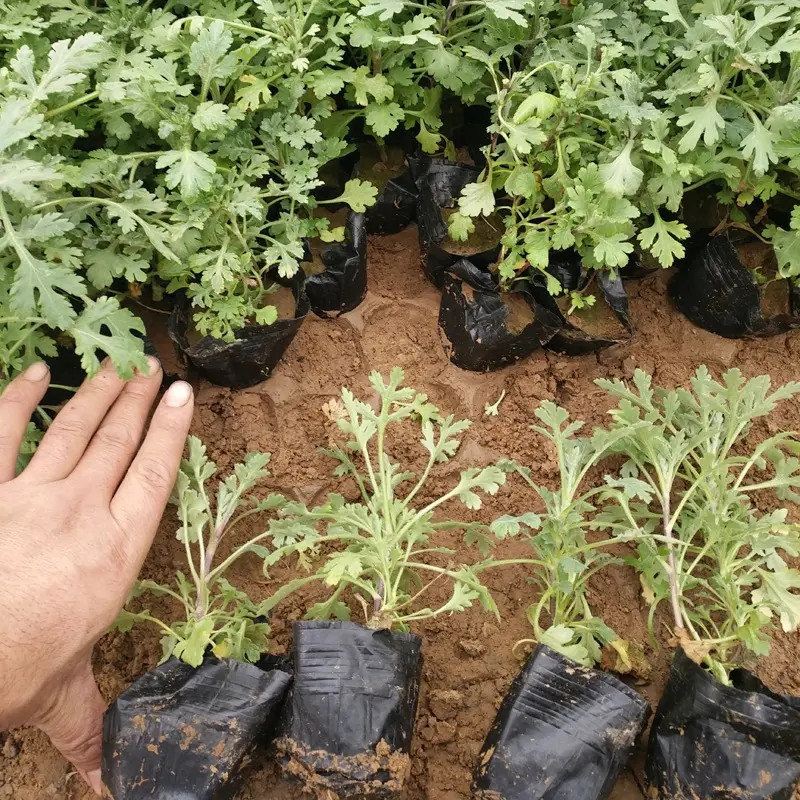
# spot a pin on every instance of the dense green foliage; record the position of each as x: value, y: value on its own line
x: 597, y: 136
x: 180, y: 146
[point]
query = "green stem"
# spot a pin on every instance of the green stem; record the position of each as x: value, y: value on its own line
x: 87, y: 98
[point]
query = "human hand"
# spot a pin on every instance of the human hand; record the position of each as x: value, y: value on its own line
x: 75, y: 527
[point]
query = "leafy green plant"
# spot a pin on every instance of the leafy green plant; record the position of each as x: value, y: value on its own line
x: 387, y: 534
x: 688, y: 488
x: 565, y: 558
x: 597, y: 137
x: 218, y: 616
x: 43, y: 286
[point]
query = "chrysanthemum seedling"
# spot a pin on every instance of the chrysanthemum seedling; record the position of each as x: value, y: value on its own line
x: 218, y: 616
x: 388, y: 532
x: 565, y: 558
x: 705, y: 546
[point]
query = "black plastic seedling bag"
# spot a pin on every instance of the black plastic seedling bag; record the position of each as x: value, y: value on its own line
x: 252, y: 356
x: 350, y: 713
x: 566, y: 267
x: 719, y: 742
x: 181, y: 732
x: 342, y: 285
x: 476, y: 325
x: 439, y: 185
x: 395, y: 206
x: 717, y: 292
x: 563, y: 732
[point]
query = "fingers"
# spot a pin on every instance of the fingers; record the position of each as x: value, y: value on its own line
x: 72, y: 430
x: 74, y: 723
x: 111, y: 449
x: 140, y: 500
x: 17, y: 404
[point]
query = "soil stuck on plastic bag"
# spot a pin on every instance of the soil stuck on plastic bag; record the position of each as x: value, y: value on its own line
x: 252, y: 356
x: 185, y: 732
x: 563, y: 732
x: 483, y: 328
x: 720, y: 742
x: 717, y: 291
x: 341, y: 283
x: 350, y: 714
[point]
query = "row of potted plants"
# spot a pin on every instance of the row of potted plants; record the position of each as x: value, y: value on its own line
x: 677, y: 498
x: 192, y: 148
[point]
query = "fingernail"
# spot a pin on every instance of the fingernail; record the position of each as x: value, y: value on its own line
x: 178, y: 394
x: 95, y: 781
x: 37, y: 372
x: 153, y: 365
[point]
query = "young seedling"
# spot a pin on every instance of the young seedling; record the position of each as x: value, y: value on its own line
x: 530, y: 751
x: 706, y: 548
x: 493, y: 409
x: 388, y: 531
x: 217, y: 615
x: 564, y: 557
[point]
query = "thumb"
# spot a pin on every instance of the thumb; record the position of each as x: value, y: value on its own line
x: 74, y: 723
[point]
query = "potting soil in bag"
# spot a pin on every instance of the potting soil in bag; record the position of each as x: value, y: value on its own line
x: 184, y: 732
x: 483, y: 328
x: 574, y: 341
x: 342, y: 285
x: 716, y: 291
x: 350, y: 713
x: 439, y: 185
x: 255, y: 352
x: 563, y: 732
x: 719, y: 742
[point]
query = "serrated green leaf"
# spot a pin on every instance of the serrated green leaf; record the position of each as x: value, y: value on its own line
x: 477, y: 199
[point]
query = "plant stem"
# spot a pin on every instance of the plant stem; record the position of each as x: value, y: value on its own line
x: 87, y: 98
x: 673, y: 574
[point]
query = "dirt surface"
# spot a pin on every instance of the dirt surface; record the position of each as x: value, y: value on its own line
x: 469, y: 661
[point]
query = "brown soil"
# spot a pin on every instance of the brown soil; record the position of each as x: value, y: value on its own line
x: 597, y: 320
x: 283, y: 299
x: 469, y: 661
x: 760, y: 259
x: 520, y: 314
x: 488, y: 231
x: 380, y: 169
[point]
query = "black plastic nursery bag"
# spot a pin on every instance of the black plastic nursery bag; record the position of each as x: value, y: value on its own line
x: 185, y: 732
x: 476, y: 325
x: 439, y: 185
x: 342, y: 285
x: 350, y: 714
x: 563, y: 732
x: 719, y: 742
x: 716, y: 291
x: 395, y: 206
x: 570, y: 339
x: 252, y: 356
